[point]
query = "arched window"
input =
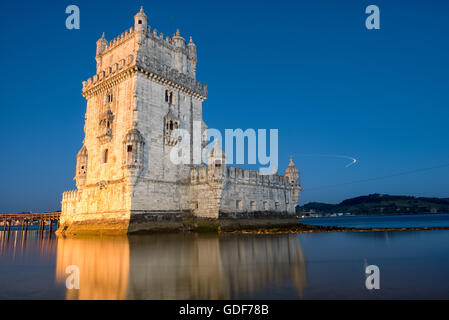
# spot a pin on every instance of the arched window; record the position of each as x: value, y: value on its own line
x: 105, y: 156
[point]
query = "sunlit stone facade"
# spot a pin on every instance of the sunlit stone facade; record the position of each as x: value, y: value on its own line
x: 144, y: 88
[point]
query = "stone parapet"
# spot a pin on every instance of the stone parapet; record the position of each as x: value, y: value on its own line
x: 202, y: 174
x: 71, y: 195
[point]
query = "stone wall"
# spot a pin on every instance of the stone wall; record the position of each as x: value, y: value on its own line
x: 234, y: 191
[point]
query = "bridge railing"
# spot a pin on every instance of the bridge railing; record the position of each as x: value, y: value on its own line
x: 30, y: 216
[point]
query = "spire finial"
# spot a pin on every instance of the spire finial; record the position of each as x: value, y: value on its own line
x: 291, y: 160
x: 141, y: 9
x: 102, y: 36
x: 178, y: 33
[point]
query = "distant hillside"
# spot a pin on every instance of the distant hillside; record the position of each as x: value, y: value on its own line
x: 379, y: 204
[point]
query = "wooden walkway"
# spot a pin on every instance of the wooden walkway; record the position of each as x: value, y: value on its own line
x: 26, y: 219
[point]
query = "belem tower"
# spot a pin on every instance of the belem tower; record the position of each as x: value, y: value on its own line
x: 144, y: 89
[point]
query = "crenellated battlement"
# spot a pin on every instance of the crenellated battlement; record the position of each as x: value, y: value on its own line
x: 71, y: 195
x: 168, y: 60
x: 203, y: 174
x: 118, y: 40
x: 110, y: 71
x: 152, y: 68
x: 161, y: 72
x: 166, y: 41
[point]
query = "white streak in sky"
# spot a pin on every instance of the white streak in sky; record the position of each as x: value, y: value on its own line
x: 353, y: 160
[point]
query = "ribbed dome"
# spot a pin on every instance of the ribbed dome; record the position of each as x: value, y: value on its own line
x: 216, y: 154
x: 141, y: 13
x: 292, y: 173
x: 133, y: 135
x: 191, y: 43
x: 83, y: 151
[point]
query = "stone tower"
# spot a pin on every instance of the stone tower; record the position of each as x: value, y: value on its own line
x: 144, y: 88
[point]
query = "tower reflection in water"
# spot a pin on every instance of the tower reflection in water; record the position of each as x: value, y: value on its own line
x: 181, y: 266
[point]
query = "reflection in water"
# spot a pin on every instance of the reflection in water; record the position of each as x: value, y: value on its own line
x: 14, y: 244
x: 413, y: 265
x: 180, y: 266
x: 103, y: 264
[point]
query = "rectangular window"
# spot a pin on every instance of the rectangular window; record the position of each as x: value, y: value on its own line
x: 105, y: 156
x: 253, y: 205
x: 238, y: 204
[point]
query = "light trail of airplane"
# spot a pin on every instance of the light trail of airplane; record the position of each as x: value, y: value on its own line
x: 379, y: 178
x: 353, y: 160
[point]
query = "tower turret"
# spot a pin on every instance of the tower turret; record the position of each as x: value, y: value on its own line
x: 216, y: 161
x: 81, y: 167
x: 292, y: 173
x: 179, y: 41
x: 191, y: 55
x: 191, y: 50
x: 140, y: 21
x: 180, y: 57
x: 102, y: 44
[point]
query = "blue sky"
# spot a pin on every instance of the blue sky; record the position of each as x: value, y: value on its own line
x: 308, y: 68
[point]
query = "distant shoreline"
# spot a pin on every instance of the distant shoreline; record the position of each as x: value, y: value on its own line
x: 306, y: 228
x: 375, y: 215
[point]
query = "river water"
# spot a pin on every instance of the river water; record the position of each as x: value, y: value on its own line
x: 412, y: 264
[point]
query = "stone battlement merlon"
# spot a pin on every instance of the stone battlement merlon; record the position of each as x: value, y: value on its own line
x: 128, y: 34
x: 153, y: 69
x: 170, y: 61
x: 70, y: 195
x: 238, y: 175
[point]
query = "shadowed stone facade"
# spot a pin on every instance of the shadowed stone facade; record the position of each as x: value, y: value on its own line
x: 144, y: 89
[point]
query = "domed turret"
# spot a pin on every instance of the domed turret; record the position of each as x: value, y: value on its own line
x: 179, y: 41
x: 192, y: 59
x: 141, y: 21
x: 216, y: 157
x: 81, y: 166
x: 102, y: 43
x: 191, y: 50
x: 292, y: 173
x: 133, y: 145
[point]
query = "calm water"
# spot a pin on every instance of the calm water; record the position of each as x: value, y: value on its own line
x: 391, y: 221
x: 413, y: 265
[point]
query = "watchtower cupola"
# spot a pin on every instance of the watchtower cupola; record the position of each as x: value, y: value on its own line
x: 141, y: 21
x: 179, y: 41
x: 292, y: 173
x: 102, y: 43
